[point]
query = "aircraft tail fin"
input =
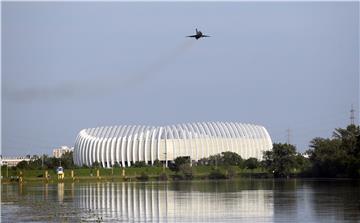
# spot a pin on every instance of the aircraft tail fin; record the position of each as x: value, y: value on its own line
x: 196, y: 30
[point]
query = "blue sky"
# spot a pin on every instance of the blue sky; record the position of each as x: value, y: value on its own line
x: 68, y: 66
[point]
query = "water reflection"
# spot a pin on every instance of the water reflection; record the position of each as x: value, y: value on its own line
x: 317, y: 200
x: 231, y: 201
x: 164, y: 202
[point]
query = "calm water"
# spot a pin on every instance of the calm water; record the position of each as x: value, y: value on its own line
x: 214, y: 201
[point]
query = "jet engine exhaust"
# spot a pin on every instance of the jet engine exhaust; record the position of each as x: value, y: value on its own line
x: 100, y: 85
x: 161, y: 63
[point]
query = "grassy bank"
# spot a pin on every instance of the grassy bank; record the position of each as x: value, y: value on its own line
x: 133, y: 174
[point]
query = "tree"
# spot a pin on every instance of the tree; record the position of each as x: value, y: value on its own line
x: 214, y: 160
x: 22, y: 165
x: 251, y: 163
x: 139, y: 164
x: 181, y: 160
x: 231, y: 159
x: 67, y: 160
x: 95, y: 165
x: 216, y: 173
x: 186, y: 171
x: 281, y: 160
x: 338, y: 156
x: 326, y: 157
x: 350, y: 143
x: 349, y: 139
x: 36, y: 163
x: 302, y: 163
x: 157, y: 163
x: 203, y: 162
x: 143, y: 176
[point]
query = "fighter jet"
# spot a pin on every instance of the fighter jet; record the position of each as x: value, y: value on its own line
x: 198, y: 35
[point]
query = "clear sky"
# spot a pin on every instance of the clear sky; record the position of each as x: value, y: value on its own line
x: 69, y: 66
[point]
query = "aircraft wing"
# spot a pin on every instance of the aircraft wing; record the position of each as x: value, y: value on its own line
x: 191, y: 36
x: 205, y: 36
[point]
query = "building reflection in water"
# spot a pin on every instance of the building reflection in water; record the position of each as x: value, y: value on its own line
x: 202, y: 201
x: 161, y: 202
x: 60, y: 191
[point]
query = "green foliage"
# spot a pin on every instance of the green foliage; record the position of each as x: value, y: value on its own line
x: 281, y: 159
x: 223, y: 159
x: 96, y: 165
x: 67, y: 160
x: 231, y: 159
x: 116, y: 165
x: 214, y: 160
x: 143, y: 177
x: 139, y: 164
x: 23, y: 165
x: 203, y: 162
x: 46, y: 162
x: 185, y: 171
x: 338, y: 156
x: 251, y: 163
x: 178, y: 162
x: 303, y: 164
x: 230, y: 172
x: 163, y: 176
x: 217, y: 174
x: 157, y: 163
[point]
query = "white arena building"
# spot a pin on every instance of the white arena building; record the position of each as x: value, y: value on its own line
x: 128, y: 144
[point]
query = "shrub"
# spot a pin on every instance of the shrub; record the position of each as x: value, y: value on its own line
x: 143, y: 177
x: 163, y: 176
x: 95, y: 164
x: 116, y: 165
x: 157, y: 163
x: 231, y: 159
x: 179, y: 161
x: 186, y: 171
x: 22, y: 165
x: 230, y: 172
x: 251, y: 163
x: 139, y: 164
x: 217, y: 174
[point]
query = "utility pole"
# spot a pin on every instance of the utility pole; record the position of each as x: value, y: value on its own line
x: 288, y: 135
x: 352, y: 115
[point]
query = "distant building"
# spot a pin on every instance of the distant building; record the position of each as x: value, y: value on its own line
x: 13, y: 161
x: 58, y: 152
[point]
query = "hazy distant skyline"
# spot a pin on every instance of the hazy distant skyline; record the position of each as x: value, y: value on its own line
x: 71, y: 65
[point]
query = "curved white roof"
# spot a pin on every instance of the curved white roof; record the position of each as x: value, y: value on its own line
x: 130, y: 143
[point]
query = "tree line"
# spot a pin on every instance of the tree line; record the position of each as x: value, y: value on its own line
x: 48, y: 162
x: 337, y: 156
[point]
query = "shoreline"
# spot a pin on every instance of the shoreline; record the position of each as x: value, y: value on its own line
x: 171, y: 179
x: 152, y: 178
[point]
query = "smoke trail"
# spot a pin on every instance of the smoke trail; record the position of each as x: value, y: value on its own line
x: 99, y: 85
x: 162, y: 62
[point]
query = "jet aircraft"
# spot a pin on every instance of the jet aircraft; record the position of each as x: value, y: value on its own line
x: 198, y: 35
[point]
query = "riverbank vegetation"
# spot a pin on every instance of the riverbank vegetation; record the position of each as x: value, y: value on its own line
x: 337, y: 156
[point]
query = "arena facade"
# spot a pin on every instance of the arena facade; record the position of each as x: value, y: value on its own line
x: 128, y: 144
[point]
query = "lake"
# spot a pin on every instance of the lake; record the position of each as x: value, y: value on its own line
x: 247, y: 200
